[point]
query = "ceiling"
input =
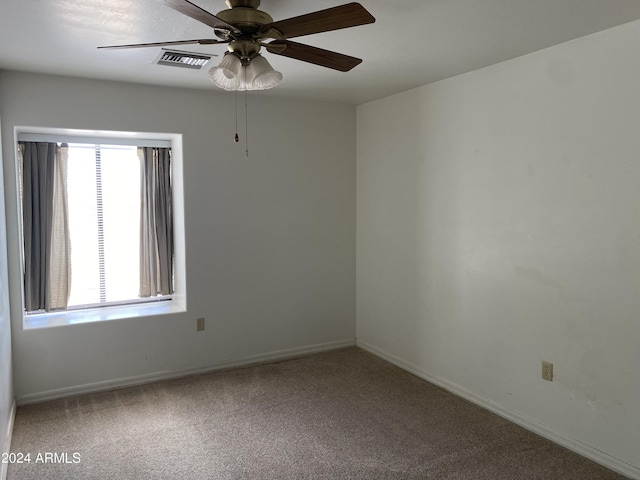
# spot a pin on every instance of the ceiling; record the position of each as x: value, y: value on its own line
x: 412, y: 43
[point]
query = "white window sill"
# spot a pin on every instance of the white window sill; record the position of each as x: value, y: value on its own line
x: 72, y: 317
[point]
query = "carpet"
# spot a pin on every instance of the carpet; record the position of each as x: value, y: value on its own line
x: 344, y: 414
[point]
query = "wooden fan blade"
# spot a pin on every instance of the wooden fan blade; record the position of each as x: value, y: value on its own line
x: 201, y: 41
x: 197, y: 13
x: 344, y: 16
x: 315, y: 55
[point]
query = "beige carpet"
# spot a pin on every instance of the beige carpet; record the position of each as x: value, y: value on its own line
x: 341, y: 415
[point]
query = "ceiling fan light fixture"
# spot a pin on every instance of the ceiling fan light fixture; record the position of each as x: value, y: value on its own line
x: 231, y: 74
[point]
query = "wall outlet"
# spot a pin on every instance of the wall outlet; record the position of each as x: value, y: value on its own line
x: 199, y: 324
x: 547, y: 370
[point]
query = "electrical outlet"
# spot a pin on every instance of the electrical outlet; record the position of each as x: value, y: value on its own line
x: 547, y: 370
x: 199, y: 324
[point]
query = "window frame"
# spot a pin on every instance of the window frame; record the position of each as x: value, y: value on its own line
x: 144, y: 307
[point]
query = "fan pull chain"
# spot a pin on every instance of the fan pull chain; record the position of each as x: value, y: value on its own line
x: 236, y: 138
x: 246, y: 125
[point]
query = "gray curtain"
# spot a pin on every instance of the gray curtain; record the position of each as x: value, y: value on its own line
x: 44, y: 224
x: 156, y: 222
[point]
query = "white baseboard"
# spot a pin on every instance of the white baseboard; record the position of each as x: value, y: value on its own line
x: 7, y: 440
x: 546, y: 431
x: 166, y: 375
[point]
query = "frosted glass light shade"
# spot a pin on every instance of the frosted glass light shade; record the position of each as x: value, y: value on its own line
x: 230, y: 74
x: 263, y: 75
x: 230, y: 65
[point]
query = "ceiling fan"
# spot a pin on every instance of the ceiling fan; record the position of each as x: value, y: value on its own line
x: 245, y: 29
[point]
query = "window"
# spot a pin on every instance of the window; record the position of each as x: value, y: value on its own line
x: 98, y: 222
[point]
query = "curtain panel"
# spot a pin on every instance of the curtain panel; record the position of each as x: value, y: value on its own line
x: 156, y: 222
x: 47, y: 270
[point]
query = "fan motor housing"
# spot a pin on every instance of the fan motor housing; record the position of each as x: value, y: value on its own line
x: 246, y: 19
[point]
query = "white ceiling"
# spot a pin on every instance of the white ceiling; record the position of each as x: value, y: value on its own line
x: 412, y: 43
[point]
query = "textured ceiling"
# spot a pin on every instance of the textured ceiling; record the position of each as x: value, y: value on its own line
x: 412, y: 43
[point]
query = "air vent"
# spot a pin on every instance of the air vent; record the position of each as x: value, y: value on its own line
x: 177, y: 58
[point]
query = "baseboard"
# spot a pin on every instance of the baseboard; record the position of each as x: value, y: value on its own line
x: 550, y: 433
x: 166, y: 375
x: 7, y: 440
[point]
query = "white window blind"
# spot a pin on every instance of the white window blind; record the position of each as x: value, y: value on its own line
x: 104, y: 222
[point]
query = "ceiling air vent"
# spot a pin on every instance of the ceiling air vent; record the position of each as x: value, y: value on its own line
x: 177, y: 58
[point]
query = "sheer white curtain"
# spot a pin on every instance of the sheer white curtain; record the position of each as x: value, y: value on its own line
x: 60, y: 248
x: 47, y: 268
x: 156, y: 222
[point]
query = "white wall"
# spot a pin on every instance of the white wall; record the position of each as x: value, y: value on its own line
x: 270, y: 240
x: 498, y: 225
x: 6, y: 380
